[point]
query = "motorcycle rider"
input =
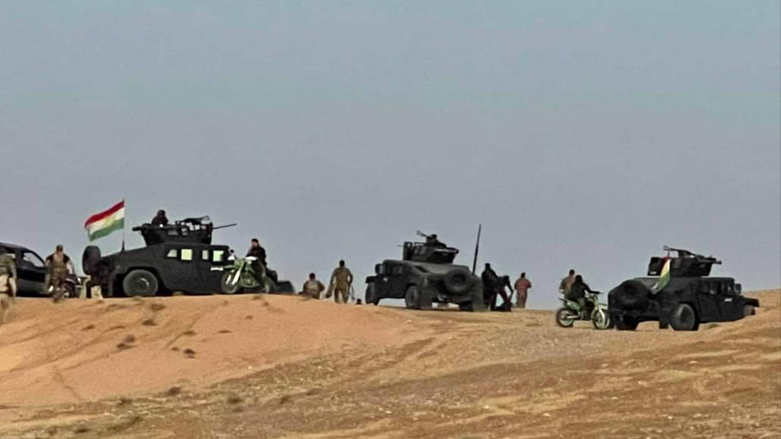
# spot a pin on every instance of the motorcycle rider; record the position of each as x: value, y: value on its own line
x: 259, y: 253
x: 577, y: 293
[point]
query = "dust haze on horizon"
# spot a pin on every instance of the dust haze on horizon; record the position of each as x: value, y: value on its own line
x: 581, y: 136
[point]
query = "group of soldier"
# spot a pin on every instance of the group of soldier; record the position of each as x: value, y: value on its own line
x: 495, y: 286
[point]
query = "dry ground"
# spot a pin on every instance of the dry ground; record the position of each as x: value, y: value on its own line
x: 281, y: 367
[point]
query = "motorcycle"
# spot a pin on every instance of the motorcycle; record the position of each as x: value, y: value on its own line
x: 595, y: 311
x: 243, y: 276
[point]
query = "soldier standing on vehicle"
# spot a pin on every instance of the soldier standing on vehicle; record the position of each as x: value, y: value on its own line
x: 341, y: 281
x: 313, y: 287
x: 522, y: 286
x: 7, y: 286
x: 160, y: 219
x: 59, y: 265
x: 566, y: 283
x: 433, y: 241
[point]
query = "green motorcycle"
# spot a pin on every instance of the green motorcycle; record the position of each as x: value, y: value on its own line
x: 595, y: 311
x: 243, y: 276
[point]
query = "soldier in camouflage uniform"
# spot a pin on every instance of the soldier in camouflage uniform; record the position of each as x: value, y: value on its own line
x: 341, y: 281
x: 7, y: 285
x: 59, y: 265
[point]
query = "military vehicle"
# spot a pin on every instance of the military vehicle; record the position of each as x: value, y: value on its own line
x: 679, y: 292
x: 426, y: 275
x: 177, y: 258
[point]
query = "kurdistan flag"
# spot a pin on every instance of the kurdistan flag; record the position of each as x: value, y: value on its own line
x: 103, y: 223
x: 664, y: 278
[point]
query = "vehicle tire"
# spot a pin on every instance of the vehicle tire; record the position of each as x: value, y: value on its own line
x: 140, y: 283
x: 748, y: 310
x: 626, y: 324
x: 412, y: 298
x: 600, y: 318
x: 565, y: 317
x: 631, y: 295
x: 371, y: 295
x: 458, y: 281
x: 683, y: 318
x: 89, y: 260
x: 226, y: 286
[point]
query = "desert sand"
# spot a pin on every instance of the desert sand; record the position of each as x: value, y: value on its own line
x: 285, y: 367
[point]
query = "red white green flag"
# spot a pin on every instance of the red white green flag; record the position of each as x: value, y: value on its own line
x: 104, y: 223
x: 664, y: 278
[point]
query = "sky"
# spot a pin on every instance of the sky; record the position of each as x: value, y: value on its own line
x: 581, y: 135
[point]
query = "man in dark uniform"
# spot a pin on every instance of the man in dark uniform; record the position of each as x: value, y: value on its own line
x: 494, y: 285
x: 259, y: 253
x: 433, y: 241
x: 160, y: 219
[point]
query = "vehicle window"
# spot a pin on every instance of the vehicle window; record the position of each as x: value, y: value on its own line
x: 384, y: 269
x: 33, y: 259
x: 172, y: 254
x: 186, y: 254
x: 204, y: 255
x: 218, y: 255
x: 398, y: 270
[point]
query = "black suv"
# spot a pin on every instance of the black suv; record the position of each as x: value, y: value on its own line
x: 426, y: 274
x: 688, y: 298
x: 178, y: 257
x: 31, y: 272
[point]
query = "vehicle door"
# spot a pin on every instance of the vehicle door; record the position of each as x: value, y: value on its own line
x: 210, y: 265
x: 31, y: 271
x: 731, y: 303
x: 398, y: 281
x: 179, y: 270
x: 709, y: 300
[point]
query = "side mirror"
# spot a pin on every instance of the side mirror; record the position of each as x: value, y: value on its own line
x: 739, y: 289
x: 377, y: 268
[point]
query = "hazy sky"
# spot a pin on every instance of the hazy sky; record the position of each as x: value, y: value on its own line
x: 580, y: 134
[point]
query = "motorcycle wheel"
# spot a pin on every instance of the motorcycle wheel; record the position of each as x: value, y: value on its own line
x: 227, y: 286
x: 565, y: 317
x: 601, y: 319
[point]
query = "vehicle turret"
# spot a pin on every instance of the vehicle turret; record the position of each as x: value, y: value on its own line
x: 684, y: 264
x: 189, y: 230
x: 432, y: 251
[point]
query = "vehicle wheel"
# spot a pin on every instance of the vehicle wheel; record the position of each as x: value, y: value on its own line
x: 601, y: 319
x: 412, y: 298
x: 458, y: 281
x: 477, y: 304
x: 140, y: 283
x: 626, y: 324
x: 565, y: 317
x: 89, y: 260
x: 371, y: 295
x: 748, y: 310
x: 227, y: 286
x: 683, y: 318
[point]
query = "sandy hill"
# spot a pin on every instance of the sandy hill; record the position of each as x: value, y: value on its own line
x: 283, y: 367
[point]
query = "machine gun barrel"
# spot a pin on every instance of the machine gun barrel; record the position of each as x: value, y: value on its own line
x: 225, y: 226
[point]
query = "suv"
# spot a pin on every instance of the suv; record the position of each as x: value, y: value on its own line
x: 426, y: 274
x: 31, y: 272
x: 178, y: 257
x: 680, y: 294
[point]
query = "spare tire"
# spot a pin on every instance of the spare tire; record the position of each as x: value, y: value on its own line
x: 90, y: 259
x: 630, y: 295
x: 458, y: 281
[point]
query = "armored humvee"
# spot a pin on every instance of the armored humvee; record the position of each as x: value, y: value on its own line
x: 679, y: 292
x: 177, y: 257
x: 425, y: 275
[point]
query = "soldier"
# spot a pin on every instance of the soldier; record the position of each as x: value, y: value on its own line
x: 522, y: 286
x: 160, y: 219
x: 7, y: 286
x: 566, y: 283
x: 257, y: 251
x: 433, y: 241
x: 577, y: 292
x: 313, y: 287
x: 341, y: 281
x: 59, y: 265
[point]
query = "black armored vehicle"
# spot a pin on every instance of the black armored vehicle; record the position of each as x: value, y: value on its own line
x: 679, y: 292
x: 177, y: 257
x: 425, y: 275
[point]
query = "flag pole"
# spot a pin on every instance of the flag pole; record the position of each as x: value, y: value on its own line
x: 124, y: 225
x: 477, y: 248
